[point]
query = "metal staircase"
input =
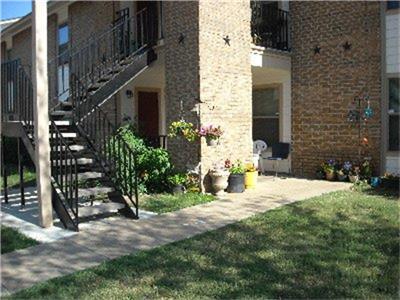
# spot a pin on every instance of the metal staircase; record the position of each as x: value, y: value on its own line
x: 92, y: 167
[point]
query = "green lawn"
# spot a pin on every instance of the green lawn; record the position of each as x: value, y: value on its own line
x: 163, y: 203
x: 13, y: 178
x: 340, y: 245
x: 13, y: 240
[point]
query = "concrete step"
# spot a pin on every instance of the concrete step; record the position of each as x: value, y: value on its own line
x: 80, y: 161
x: 61, y: 113
x: 65, y: 135
x: 87, y: 175
x: 57, y: 122
x: 99, y: 209
x: 75, y: 148
x: 90, y: 175
x: 94, y: 87
x: 87, y: 192
x: 105, y: 78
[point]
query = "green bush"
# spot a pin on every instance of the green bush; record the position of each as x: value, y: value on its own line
x: 153, y: 164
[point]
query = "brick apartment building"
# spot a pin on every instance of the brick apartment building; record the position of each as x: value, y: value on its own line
x: 276, y: 71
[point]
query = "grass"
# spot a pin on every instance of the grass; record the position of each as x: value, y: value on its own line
x: 163, y: 203
x: 12, y: 240
x: 339, y: 245
x: 13, y: 178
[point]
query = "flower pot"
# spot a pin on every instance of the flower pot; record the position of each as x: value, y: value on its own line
x: 219, y: 182
x: 390, y: 183
x: 236, y: 183
x: 211, y: 142
x: 178, y: 189
x: 354, y: 178
x: 330, y: 176
x: 250, y: 179
x: 375, y: 181
x: 342, y: 177
x: 320, y: 175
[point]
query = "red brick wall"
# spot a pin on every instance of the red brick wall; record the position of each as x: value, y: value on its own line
x: 324, y: 85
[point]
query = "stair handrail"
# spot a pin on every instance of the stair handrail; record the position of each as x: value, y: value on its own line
x: 103, y: 139
x: 64, y: 172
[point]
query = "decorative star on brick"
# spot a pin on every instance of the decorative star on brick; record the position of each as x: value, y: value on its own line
x: 346, y: 46
x: 227, y: 40
x: 181, y: 38
x: 317, y: 50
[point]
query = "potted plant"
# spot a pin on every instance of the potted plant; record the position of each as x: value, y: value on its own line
x: 211, y: 134
x: 177, y: 182
x: 354, y: 174
x: 236, y: 177
x: 341, y: 176
x: 365, y: 170
x: 320, y: 173
x: 251, y: 175
x: 391, y: 181
x: 183, y: 129
x: 219, y: 178
x: 329, y: 168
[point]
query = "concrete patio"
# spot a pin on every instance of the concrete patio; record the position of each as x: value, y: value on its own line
x: 115, y: 237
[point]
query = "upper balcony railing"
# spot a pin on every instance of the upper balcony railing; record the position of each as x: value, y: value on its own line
x: 270, y: 26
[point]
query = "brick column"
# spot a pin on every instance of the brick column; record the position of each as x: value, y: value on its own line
x: 205, y: 68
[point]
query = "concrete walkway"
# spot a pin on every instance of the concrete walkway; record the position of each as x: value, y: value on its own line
x: 116, y: 237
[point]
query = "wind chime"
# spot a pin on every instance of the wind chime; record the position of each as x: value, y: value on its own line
x: 360, y: 114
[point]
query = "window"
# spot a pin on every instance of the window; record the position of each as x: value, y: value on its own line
x: 266, y: 115
x: 392, y: 4
x: 394, y: 113
x: 63, y: 67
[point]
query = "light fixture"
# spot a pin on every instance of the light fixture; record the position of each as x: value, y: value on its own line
x: 129, y: 93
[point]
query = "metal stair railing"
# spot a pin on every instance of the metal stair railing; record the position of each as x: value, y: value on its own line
x: 103, y: 54
x: 17, y: 98
x: 115, y: 156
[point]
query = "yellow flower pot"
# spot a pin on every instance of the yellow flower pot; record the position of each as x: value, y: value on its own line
x: 250, y: 179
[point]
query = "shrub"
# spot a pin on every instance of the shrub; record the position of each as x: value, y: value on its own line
x: 153, y: 164
x: 178, y: 179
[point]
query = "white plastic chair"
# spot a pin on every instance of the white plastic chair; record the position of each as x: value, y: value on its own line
x: 258, y: 147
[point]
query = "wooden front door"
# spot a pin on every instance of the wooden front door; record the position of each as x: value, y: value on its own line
x: 148, y: 118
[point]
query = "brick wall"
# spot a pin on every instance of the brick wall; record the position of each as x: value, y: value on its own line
x: 22, y: 43
x: 3, y: 52
x: 324, y: 85
x: 204, y: 68
x: 87, y: 18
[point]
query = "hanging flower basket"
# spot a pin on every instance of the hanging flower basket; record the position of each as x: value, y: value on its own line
x: 183, y: 129
x: 211, y: 134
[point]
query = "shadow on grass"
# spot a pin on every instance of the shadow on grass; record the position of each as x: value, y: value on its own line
x: 391, y: 193
x: 340, y: 245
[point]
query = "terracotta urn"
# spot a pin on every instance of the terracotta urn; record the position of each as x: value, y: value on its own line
x: 354, y: 178
x: 330, y: 176
x: 219, y: 181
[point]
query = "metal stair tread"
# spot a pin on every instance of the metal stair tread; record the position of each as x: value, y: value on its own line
x: 103, y: 208
x: 93, y: 191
